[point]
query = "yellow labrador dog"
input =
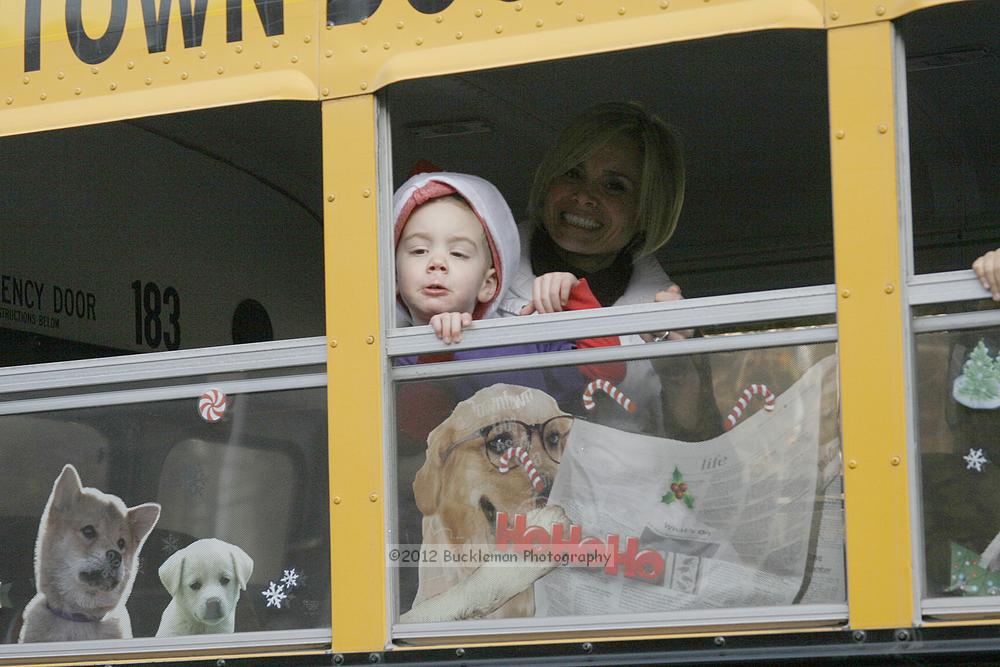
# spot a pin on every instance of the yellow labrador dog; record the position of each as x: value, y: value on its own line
x: 462, y: 486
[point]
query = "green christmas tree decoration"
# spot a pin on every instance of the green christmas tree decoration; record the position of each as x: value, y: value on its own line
x: 981, y: 375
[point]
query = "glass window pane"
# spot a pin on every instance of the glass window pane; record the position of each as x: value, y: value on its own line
x: 746, y: 514
x: 952, y: 81
x: 227, y: 531
x: 958, y: 408
x: 171, y: 232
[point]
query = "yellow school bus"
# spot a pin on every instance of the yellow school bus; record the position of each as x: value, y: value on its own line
x: 217, y: 448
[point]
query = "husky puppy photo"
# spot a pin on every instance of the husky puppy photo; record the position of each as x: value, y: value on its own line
x: 204, y: 579
x: 86, y: 557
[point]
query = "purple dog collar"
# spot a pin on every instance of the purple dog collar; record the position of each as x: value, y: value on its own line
x: 76, y: 617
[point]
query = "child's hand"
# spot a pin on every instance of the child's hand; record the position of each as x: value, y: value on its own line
x: 550, y: 292
x: 987, y: 269
x: 448, y: 326
x: 672, y: 293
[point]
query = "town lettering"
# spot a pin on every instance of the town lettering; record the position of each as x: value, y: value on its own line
x: 156, y: 18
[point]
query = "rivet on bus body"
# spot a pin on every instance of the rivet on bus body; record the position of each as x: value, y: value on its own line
x: 621, y: 11
x: 333, y: 342
x: 202, y: 54
x: 373, y: 497
x: 9, y: 101
x: 498, y: 29
x: 61, y: 76
x: 295, y: 59
x: 664, y: 4
x: 399, y: 25
x: 366, y: 193
x: 364, y: 48
x: 846, y: 293
x: 26, y: 80
x: 166, y: 60
x: 328, y: 54
x: 539, y: 23
x: 326, y: 92
x: 307, y: 39
x: 130, y: 64
x: 77, y: 91
x: 889, y: 288
x: 149, y: 80
x: 220, y: 70
x: 880, y: 10
x: 518, y: 7
x: 459, y: 35
x: 184, y: 76
x: 419, y: 41
x: 834, y: 16
x: 852, y: 464
x: 559, y: 2
x: 895, y: 460
x: 239, y: 48
x: 331, y: 198
x: 113, y: 86
x: 256, y: 65
x: 386, y: 45
x: 337, y: 500
x: 275, y: 44
x: 94, y: 70
x: 883, y: 128
x: 439, y: 19
x: 579, y: 17
x: 479, y: 13
x: 43, y: 97
x: 364, y: 21
x: 364, y: 85
x: 841, y: 134
x: 329, y: 26
x: 370, y: 339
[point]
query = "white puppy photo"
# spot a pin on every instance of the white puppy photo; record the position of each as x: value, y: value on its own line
x: 205, y: 580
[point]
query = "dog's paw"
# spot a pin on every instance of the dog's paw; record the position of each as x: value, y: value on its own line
x: 546, y: 517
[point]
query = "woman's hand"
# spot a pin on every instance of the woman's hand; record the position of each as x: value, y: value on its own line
x: 448, y: 326
x: 672, y: 293
x: 550, y: 292
x: 987, y: 269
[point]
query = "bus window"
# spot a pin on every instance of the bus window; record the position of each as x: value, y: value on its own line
x: 205, y: 466
x: 162, y: 233
x: 659, y: 530
x: 751, y: 115
x: 951, y: 74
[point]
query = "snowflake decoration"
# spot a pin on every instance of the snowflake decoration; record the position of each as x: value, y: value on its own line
x: 975, y: 460
x: 170, y: 544
x: 193, y: 479
x: 291, y: 578
x: 311, y: 606
x: 274, y: 595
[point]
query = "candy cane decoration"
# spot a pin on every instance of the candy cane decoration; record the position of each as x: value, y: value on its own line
x: 744, y: 400
x: 614, y: 392
x: 521, y: 455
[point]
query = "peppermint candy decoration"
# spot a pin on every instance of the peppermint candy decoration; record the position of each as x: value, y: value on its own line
x: 744, y: 401
x: 521, y: 455
x: 611, y: 390
x: 212, y: 405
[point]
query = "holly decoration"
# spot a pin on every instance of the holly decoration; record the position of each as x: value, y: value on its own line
x: 678, y: 490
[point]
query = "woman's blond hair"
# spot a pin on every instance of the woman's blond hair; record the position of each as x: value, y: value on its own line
x: 661, y: 180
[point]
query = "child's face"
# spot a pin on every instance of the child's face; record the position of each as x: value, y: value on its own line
x: 443, y: 261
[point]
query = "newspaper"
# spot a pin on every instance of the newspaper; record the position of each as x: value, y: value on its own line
x: 732, y: 519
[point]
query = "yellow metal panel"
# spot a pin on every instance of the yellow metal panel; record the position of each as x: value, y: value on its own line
x: 397, y: 42
x: 870, y: 319
x: 355, y: 371
x: 57, y: 88
x: 852, y: 12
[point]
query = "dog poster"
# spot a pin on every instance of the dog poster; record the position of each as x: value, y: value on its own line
x: 637, y: 523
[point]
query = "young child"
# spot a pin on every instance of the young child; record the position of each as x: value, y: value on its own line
x: 457, y: 249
